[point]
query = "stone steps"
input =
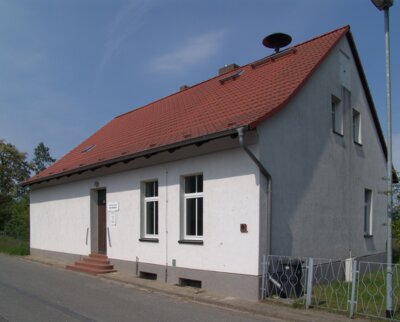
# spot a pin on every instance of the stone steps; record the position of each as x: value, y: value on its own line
x: 93, y: 264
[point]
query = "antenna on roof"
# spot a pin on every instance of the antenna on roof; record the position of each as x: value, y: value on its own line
x: 277, y: 41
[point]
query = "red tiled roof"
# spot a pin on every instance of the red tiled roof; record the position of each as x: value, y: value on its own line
x: 206, y: 108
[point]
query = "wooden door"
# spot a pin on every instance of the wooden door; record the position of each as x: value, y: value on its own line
x: 102, y: 221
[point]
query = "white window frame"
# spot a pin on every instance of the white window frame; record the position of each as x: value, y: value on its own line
x: 337, y: 115
x: 356, y: 123
x: 147, y: 200
x: 197, y: 196
x: 368, y: 212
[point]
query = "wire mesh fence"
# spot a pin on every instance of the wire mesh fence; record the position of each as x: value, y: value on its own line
x: 349, y: 286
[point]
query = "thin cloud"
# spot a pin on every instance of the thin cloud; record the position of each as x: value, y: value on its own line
x: 126, y: 22
x: 193, y: 52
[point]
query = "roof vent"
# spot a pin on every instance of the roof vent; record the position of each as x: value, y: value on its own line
x: 227, y: 68
x: 277, y: 41
x: 183, y: 87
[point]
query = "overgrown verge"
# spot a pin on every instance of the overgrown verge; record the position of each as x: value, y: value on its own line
x: 13, y: 246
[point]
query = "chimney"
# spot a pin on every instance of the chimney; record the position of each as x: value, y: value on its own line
x: 227, y: 68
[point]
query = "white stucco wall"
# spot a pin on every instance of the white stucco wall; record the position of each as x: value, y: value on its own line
x: 56, y: 220
x: 60, y: 215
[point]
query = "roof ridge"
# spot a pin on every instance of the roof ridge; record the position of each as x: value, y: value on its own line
x: 344, y: 30
x: 216, y: 76
x: 323, y: 35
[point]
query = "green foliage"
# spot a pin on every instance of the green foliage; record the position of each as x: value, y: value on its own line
x: 14, y: 202
x: 6, y: 210
x: 18, y: 224
x: 14, y: 169
x: 12, y: 246
x: 42, y: 158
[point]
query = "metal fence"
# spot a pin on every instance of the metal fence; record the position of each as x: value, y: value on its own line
x: 349, y: 286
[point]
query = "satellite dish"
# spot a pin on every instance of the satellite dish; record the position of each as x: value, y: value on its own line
x: 277, y: 41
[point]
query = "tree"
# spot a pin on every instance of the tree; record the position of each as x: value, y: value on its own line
x: 42, y: 158
x: 14, y: 169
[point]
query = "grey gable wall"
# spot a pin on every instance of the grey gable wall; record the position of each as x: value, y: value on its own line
x: 319, y: 177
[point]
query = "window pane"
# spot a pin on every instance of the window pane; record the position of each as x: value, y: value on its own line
x: 367, y: 211
x: 149, y: 191
x: 356, y: 126
x: 150, y: 218
x: 333, y: 116
x: 200, y: 183
x: 200, y: 216
x: 156, y: 217
x: 155, y: 188
x: 337, y: 115
x: 191, y: 216
x: 190, y: 184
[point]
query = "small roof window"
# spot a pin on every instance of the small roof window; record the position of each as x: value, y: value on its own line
x: 87, y: 149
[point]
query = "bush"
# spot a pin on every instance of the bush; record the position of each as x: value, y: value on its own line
x: 18, y: 224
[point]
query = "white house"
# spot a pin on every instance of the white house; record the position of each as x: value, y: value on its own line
x: 283, y: 156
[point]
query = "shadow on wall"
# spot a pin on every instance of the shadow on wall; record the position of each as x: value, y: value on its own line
x: 314, y: 200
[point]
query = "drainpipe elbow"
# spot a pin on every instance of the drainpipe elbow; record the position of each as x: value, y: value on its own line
x: 240, y: 132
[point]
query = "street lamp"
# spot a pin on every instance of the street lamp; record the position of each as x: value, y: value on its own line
x: 385, y: 5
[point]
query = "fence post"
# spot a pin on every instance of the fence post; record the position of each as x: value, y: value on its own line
x: 263, y: 279
x: 310, y: 268
x: 353, y: 286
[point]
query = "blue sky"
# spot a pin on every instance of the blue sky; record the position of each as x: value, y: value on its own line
x: 68, y: 67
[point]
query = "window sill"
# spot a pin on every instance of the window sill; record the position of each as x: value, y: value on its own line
x: 149, y: 240
x: 368, y: 235
x: 338, y: 133
x: 191, y: 241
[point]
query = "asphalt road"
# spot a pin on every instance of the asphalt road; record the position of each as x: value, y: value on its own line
x: 32, y: 292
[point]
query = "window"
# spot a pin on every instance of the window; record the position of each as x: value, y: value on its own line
x: 368, y: 212
x: 150, y: 205
x: 337, y: 115
x: 193, y: 207
x: 356, y: 126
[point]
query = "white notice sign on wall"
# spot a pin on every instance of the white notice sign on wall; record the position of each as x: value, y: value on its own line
x: 112, y: 206
x: 113, y: 219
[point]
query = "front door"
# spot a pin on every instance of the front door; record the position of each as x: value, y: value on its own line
x: 102, y: 221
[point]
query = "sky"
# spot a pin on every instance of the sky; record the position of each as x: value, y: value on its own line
x: 67, y: 67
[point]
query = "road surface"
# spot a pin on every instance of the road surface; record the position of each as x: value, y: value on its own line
x: 32, y: 292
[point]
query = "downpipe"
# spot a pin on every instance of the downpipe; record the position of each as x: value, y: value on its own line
x: 268, y: 177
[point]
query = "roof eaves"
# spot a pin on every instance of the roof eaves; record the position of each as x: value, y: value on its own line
x: 367, y: 92
x: 128, y: 158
